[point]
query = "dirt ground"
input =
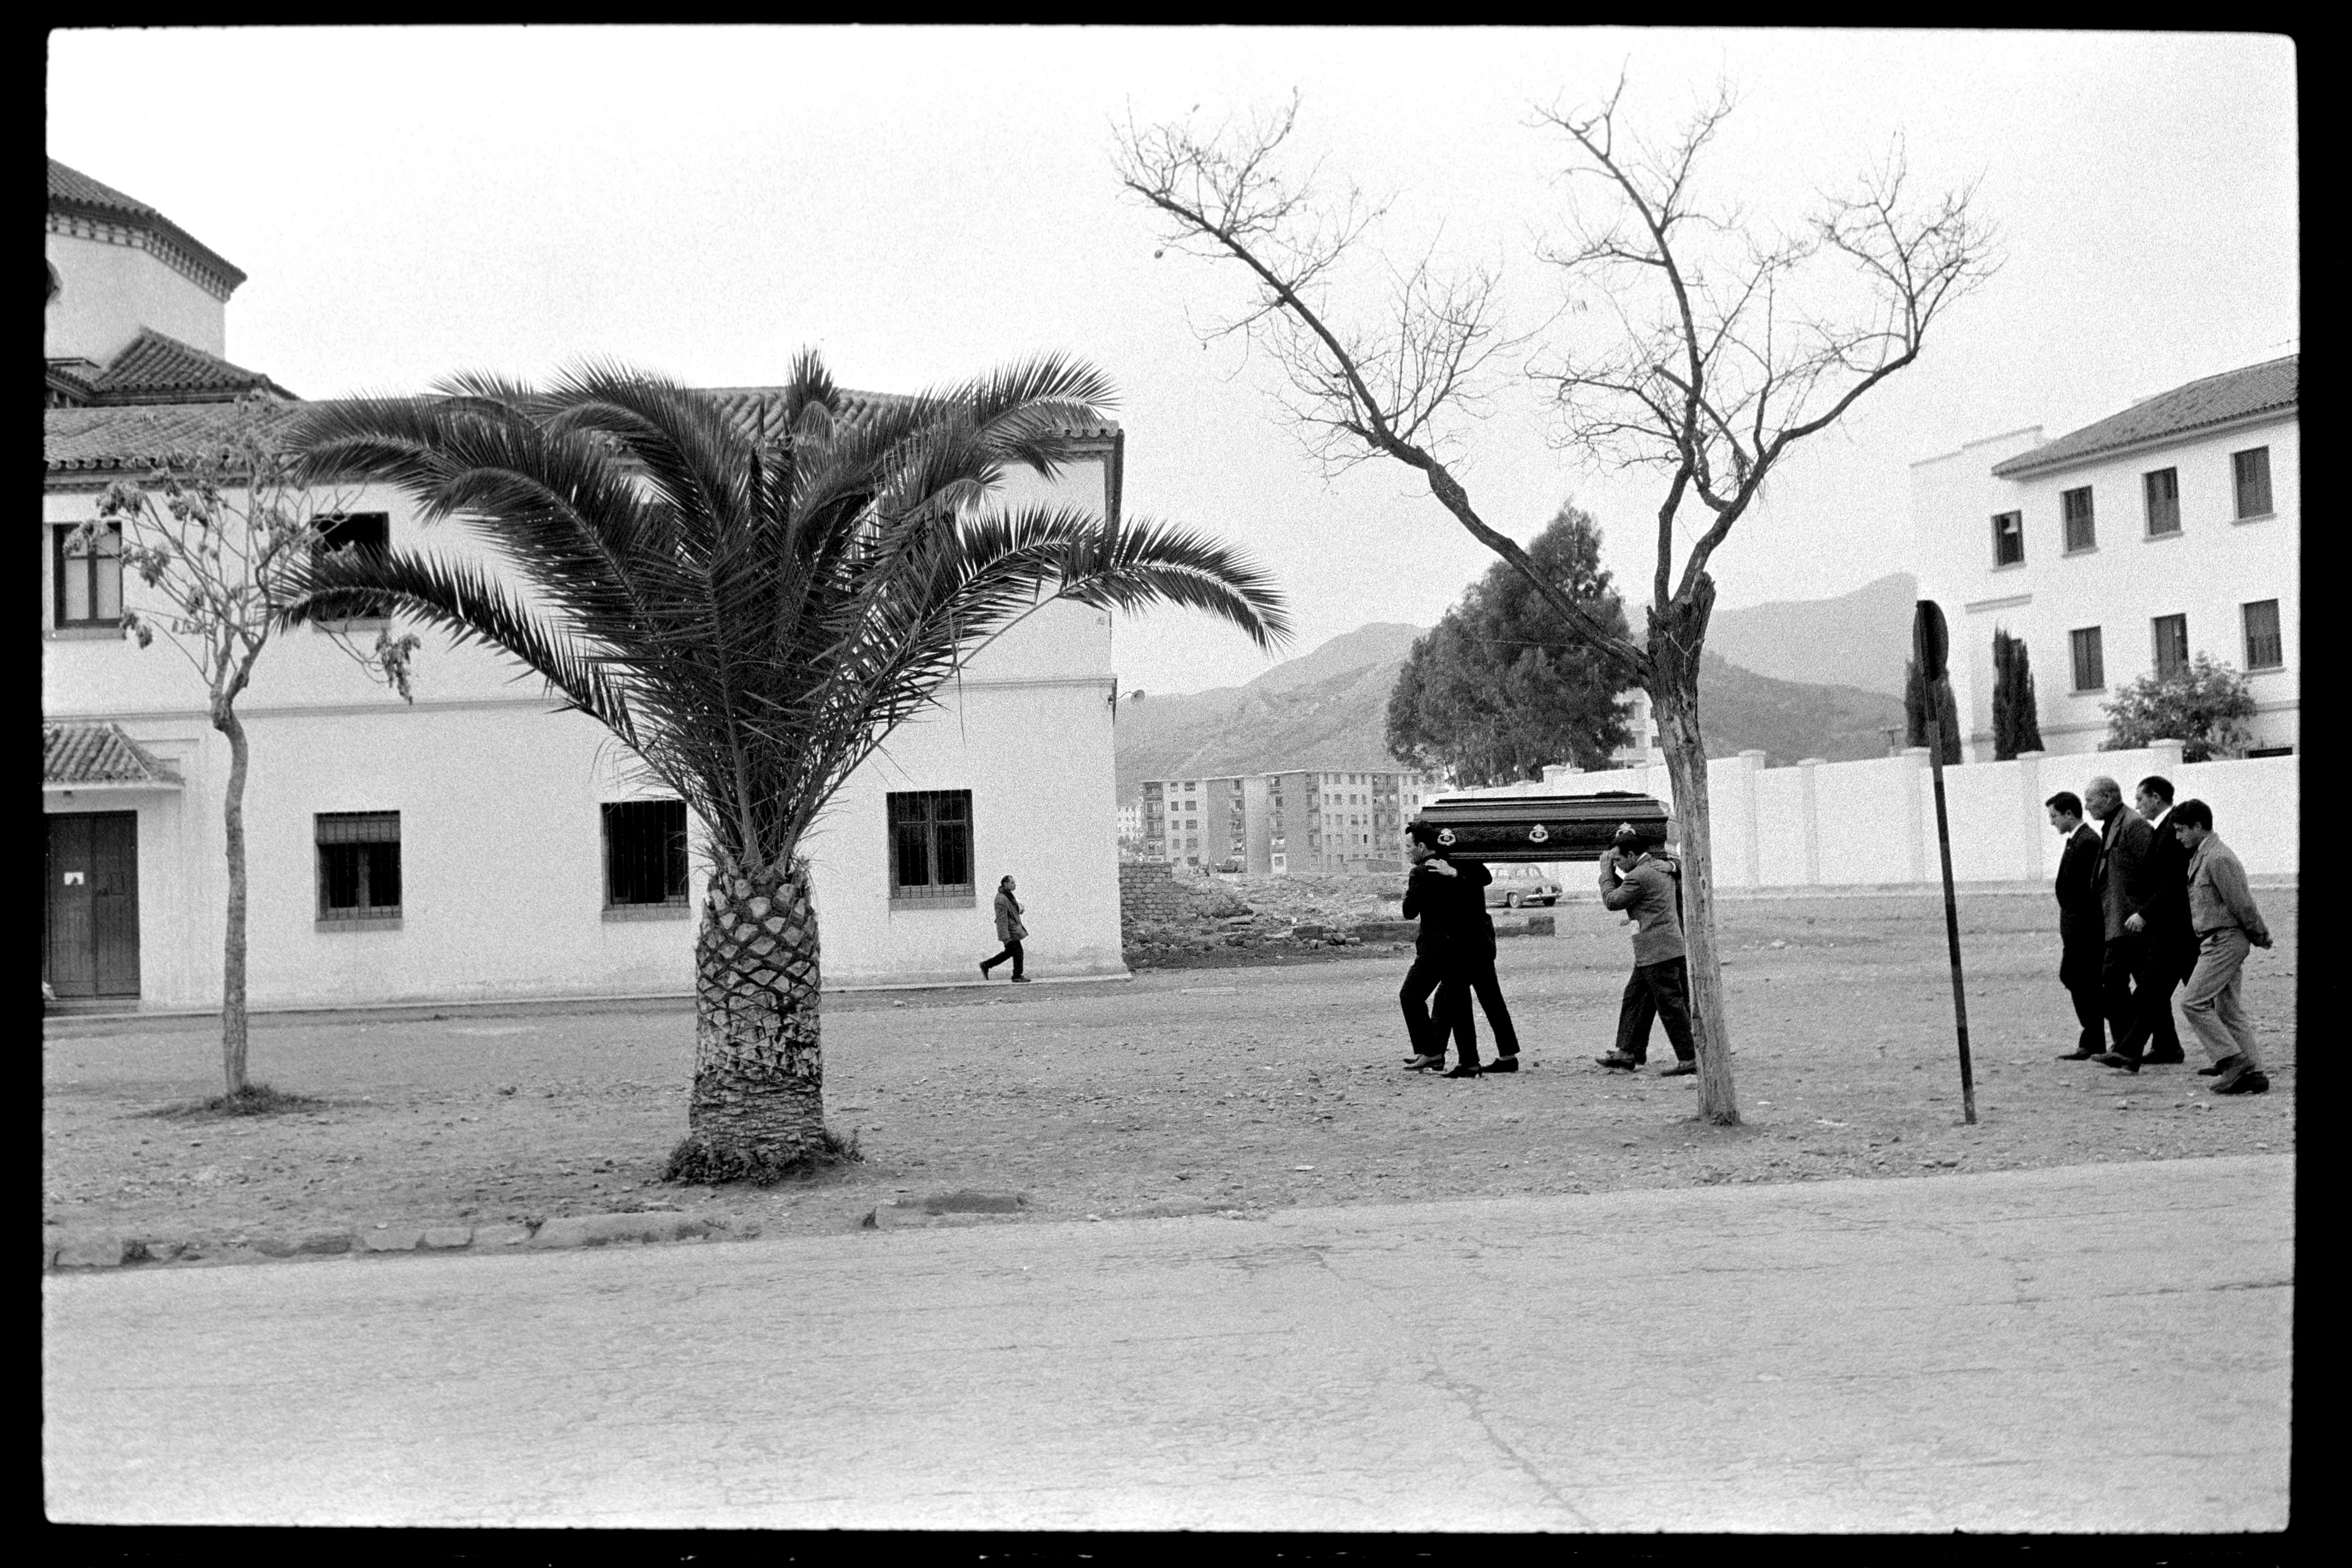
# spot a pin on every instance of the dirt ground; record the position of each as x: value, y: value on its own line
x: 1247, y: 1087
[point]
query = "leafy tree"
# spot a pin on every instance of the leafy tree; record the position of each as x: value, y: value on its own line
x: 2015, y: 727
x: 1715, y: 344
x: 751, y: 606
x: 2204, y: 704
x: 217, y: 535
x: 1914, y: 712
x: 1498, y: 688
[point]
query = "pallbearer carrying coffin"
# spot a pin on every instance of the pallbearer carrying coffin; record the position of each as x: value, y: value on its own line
x: 1639, y: 877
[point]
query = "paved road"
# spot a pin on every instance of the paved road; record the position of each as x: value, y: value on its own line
x: 2090, y: 1348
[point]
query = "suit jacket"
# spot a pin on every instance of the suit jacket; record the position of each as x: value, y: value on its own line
x: 1454, y: 924
x: 2125, y: 880
x: 2081, y: 923
x: 2168, y: 905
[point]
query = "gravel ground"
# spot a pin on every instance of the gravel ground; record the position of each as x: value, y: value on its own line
x: 1246, y: 1087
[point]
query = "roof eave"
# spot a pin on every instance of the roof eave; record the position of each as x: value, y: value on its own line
x: 2026, y: 466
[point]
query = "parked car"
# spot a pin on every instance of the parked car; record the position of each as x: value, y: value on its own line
x: 1517, y: 886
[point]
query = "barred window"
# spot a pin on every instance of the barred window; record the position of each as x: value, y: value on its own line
x: 2081, y: 531
x: 645, y: 852
x: 2266, y: 649
x: 2162, y: 489
x: 2171, y: 644
x: 2090, y: 665
x: 89, y: 577
x: 930, y: 844
x: 358, y: 865
x: 2252, y: 470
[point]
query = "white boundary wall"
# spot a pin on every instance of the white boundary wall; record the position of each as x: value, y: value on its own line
x: 1872, y: 823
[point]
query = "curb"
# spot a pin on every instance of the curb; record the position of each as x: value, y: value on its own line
x: 63, y: 1249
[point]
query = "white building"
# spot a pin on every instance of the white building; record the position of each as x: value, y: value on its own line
x: 1281, y: 823
x: 2168, y: 530
x: 478, y: 844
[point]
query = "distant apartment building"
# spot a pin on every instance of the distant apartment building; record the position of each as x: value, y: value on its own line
x: 1130, y: 829
x: 2126, y: 546
x: 1277, y: 824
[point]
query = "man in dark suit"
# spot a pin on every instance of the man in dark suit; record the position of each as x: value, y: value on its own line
x: 2082, y: 938
x: 2126, y: 888
x: 2172, y: 945
x: 1456, y: 938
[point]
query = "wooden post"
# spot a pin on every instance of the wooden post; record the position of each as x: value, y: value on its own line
x: 1929, y: 643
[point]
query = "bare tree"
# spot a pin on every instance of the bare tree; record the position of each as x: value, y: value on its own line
x: 1727, y: 347
x: 217, y: 534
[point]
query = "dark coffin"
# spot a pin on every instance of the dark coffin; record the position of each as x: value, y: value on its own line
x: 1539, y: 827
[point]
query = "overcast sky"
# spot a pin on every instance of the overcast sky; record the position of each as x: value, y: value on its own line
x: 920, y: 205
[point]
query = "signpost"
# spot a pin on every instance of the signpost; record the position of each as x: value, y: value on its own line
x: 1930, y: 643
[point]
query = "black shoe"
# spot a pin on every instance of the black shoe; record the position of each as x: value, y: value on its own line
x: 1680, y: 1069
x: 1619, y: 1060
x: 2243, y: 1078
x: 2168, y: 1060
x: 2078, y: 1055
x: 2114, y: 1060
x: 1462, y: 1069
x: 1424, y: 1063
x: 983, y: 971
x: 1503, y: 1064
x: 1020, y: 980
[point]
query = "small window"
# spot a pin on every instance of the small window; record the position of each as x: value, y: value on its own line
x: 2009, y: 539
x: 2251, y: 470
x: 2171, y: 644
x: 2265, y: 649
x: 930, y: 844
x: 88, y: 575
x: 370, y: 534
x: 2082, y: 532
x: 2162, y: 489
x: 2090, y: 663
x: 358, y: 865
x: 645, y: 852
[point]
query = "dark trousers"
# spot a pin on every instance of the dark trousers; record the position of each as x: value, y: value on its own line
x: 1011, y: 951
x: 1429, y: 973
x: 1480, y: 977
x: 1656, y: 991
x: 2080, y: 974
x: 2136, y: 974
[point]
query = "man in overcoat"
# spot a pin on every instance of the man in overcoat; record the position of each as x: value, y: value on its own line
x: 2129, y: 963
x: 2082, y: 937
x: 2172, y: 944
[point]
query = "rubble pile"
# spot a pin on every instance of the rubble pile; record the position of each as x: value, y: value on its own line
x: 1163, y: 913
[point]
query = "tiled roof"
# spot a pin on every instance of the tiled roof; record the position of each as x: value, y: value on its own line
x: 71, y: 191
x: 753, y: 402
x: 2216, y: 400
x: 92, y: 439
x: 99, y: 753
x: 158, y: 368
x: 137, y: 434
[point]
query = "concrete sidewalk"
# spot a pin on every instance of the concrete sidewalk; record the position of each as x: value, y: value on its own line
x: 2090, y: 1348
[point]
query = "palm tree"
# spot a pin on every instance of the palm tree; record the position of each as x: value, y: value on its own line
x: 751, y: 602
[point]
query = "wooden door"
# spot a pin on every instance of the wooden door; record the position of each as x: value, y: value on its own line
x: 93, y: 903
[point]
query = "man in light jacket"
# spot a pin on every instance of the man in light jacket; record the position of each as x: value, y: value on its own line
x: 2222, y: 908
x: 1639, y: 877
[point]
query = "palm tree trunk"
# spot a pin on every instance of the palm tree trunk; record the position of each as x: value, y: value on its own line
x: 758, y: 1107
x: 233, y: 1013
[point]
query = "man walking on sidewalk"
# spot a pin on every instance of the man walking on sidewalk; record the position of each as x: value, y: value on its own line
x: 1639, y: 877
x: 2222, y: 908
